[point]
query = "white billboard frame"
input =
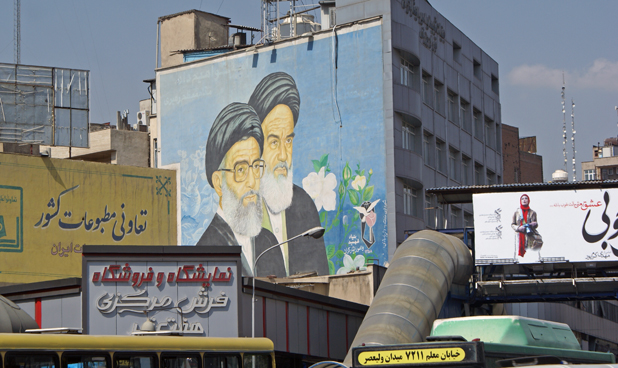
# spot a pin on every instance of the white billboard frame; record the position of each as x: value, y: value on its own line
x: 572, y: 226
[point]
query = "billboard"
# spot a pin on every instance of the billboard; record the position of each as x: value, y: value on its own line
x: 50, y: 209
x: 193, y: 298
x: 42, y: 105
x: 275, y: 141
x: 546, y: 226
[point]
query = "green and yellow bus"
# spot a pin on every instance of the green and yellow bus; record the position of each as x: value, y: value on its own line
x: 89, y: 351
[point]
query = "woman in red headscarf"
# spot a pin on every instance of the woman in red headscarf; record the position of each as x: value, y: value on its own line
x: 524, y: 222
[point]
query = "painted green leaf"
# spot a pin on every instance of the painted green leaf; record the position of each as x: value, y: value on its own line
x: 353, y: 197
x: 331, y: 267
x: 324, y: 160
x: 323, y: 217
x: 335, y: 222
x: 368, y: 193
x: 330, y: 251
x: 316, y: 165
x: 339, y: 254
x: 341, y: 190
x: 355, y: 217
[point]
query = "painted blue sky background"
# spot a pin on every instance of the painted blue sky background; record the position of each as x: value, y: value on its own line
x: 194, y: 96
x: 533, y: 42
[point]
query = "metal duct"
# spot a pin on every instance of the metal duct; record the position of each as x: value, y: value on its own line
x: 13, y: 318
x: 413, y: 290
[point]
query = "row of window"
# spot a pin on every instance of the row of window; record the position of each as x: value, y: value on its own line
x: 436, y: 216
x: 457, y: 109
x: 97, y: 359
x: 434, y: 154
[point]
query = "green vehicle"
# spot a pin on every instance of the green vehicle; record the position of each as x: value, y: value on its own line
x: 486, y: 342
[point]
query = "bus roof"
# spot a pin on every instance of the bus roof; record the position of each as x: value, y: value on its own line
x: 125, y: 343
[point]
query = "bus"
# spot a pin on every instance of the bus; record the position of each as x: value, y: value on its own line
x: 90, y: 351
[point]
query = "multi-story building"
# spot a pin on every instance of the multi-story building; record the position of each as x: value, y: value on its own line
x: 521, y: 164
x: 604, y: 164
x: 390, y: 92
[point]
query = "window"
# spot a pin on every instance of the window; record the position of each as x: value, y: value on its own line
x: 477, y: 69
x: 490, y: 135
x: 427, y: 89
x: 478, y: 124
x: 491, y: 177
x: 603, y: 174
x: 30, y: 360
x: 180, y: 361
x: 410, y: 133
x: 430, y: 218
x: 135, y: 360
x: 406, y: 72
x: 456, y: 52
x: 589, y: 174
x: 465, y: 170
x: 85, y: 360
x: 464, y: 111
x: 440, y: 156
x: 468, y: 219
x: 442, y: 216
x: 409, y: 200
x: 611, y: 171
x: 222, y: 361
x: 479, y: 178
x: 495, y: 85
x: 455, y: 217
x: 428, y: 149
x: 257, y: 360
x: 453, y: 164
x: 438, y: 97
x: 452, y: 107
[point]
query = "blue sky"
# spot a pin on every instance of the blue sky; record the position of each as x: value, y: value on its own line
x: 532, y: 41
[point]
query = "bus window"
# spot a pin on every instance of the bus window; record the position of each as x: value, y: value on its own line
x: 30, y: 360
x: 180, y: 361
x: 80, y: 360
x: 257, y: 361
x: 221, y: 361
x: 135, y: 360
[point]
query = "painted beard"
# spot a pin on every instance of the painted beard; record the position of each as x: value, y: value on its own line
x: 244, y: 220
x: 277, y: 191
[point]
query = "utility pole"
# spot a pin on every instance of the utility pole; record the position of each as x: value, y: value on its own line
x: 17, y: 14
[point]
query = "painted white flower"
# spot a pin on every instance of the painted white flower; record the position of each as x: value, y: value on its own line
x: 321, y: 188
x: 350, y: 264
x: 359, y: 182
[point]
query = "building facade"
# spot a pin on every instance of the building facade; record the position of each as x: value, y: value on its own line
x: 393, y: 100
x: 604, y: 164
x: 521, y: 164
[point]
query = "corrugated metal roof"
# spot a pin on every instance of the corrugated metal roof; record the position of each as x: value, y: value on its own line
x: 185, y: 51
x: 464, y: 194
x: 245, y: 27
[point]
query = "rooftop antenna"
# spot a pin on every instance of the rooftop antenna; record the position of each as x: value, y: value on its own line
x: 17, y: 35
x: 564, y: 137
x: 573, y: 138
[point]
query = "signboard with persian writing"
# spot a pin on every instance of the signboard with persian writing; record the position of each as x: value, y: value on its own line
x: 152, y: 297
x: 547, y: 226
x: 50, y: 209
x: 443, y: 353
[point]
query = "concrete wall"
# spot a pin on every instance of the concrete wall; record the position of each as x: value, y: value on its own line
x: 189, y: 31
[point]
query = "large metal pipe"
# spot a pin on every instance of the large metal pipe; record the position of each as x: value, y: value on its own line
x: 413, y: 290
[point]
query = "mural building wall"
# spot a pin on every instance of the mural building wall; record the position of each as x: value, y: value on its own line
x: 50, y: 209
x: 275, y: 141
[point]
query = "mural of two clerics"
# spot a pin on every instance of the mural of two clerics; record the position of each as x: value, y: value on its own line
x: 249, y: 164
x: 270, y: 145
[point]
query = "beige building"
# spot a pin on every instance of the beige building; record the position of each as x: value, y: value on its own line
x: 604, y: 164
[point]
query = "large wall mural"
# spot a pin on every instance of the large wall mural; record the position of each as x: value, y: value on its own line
x: 274, y: 143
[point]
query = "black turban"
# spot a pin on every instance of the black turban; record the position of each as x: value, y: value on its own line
x: 275, y: 89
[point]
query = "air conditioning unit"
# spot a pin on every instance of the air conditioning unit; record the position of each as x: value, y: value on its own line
x: 142, y: 118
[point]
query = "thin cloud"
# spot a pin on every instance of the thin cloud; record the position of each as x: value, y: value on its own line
x: 602, y: 74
